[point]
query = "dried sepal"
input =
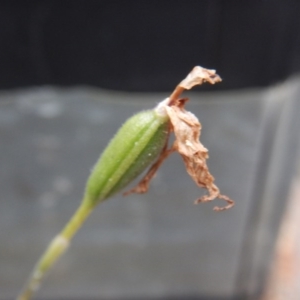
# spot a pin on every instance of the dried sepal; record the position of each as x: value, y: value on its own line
x: 198, y: 76
x: 187, y: 130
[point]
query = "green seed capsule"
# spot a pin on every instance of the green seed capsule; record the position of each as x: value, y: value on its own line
x: 135, y: 146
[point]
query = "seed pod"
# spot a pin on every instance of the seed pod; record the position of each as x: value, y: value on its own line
x: 135, y: 146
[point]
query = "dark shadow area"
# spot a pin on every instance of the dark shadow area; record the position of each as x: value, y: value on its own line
x: 147, y: 45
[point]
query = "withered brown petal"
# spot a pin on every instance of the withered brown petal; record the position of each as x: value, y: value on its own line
x: 198, y: 76
x: 187, y: 131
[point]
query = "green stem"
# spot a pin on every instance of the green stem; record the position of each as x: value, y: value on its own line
x: 54, y: 251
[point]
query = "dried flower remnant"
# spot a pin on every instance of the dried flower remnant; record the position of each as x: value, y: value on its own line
x: 187, y: 130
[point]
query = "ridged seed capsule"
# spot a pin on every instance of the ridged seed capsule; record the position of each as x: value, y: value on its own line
x: 135, y: 146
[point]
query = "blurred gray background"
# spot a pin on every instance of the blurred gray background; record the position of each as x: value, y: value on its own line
x: 74, y: 71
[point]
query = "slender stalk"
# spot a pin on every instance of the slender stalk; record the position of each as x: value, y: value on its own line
x: 55, y: 250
